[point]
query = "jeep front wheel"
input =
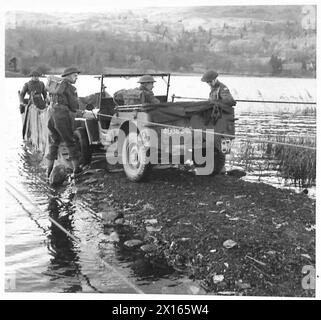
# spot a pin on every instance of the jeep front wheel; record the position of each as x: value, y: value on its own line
x: 135, y: 157
x: 83, y: 146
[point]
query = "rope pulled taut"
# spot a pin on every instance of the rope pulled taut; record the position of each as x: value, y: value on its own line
x: 251, y: 101
x: 216, y: 133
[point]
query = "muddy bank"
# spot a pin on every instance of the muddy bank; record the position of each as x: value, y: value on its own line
x: 230, y: 236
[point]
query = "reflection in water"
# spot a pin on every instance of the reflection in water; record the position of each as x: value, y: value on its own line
x: 29, y: 160
x: 64, y: 261
x: 65, y: 265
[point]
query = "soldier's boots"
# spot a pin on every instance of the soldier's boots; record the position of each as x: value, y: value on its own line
x: 76, y: 168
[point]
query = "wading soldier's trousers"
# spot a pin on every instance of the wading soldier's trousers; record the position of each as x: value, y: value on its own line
x: 61, y: 127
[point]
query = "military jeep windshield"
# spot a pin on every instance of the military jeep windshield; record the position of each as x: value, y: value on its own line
x: 111, y: 83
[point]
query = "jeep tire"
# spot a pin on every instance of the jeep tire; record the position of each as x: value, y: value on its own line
x: 83, y: 146
x: 135, y: 157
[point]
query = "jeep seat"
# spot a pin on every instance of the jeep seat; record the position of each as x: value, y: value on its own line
x: 107, y: 108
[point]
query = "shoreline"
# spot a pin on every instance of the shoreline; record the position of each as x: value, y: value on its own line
x: 9, y: 74
x: 187, y: 220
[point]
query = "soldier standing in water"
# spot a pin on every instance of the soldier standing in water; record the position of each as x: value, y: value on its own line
x: 36, y: 91
x: 61, y: 121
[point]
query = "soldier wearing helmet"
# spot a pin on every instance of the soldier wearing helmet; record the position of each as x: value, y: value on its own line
x: 219, y: 91
x: 36, y: 91
x: 146, y: 88
x: 61, y: 121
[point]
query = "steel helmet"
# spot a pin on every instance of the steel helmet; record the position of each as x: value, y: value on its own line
x: 69, y: 71
x: 146, y: 79
x: 209, y: 76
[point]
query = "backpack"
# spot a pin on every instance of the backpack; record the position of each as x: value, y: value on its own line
x: 35, y: 92
x: 38, y: 101
x: 55, y: 85
x: 128, y: 96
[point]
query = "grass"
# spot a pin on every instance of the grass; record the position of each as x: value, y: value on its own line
x: 293, y: 164
x: 280, y: 110
x: 305, y: 111
x: 296, y: 164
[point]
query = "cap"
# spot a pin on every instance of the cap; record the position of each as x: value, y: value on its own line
x: 209, y: 76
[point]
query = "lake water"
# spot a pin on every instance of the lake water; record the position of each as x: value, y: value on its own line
x: 41, y: 258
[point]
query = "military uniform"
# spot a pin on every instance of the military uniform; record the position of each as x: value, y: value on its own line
x: 36, y: 89
x: 147, y: 96
x: 221, y: 93
x: 61, y: 122
x: 222, y: 100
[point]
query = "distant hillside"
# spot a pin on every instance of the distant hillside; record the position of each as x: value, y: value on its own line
x: 232, y: 39
x: 207, y: 17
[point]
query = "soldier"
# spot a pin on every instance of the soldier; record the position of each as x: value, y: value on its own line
x: 61, y: 121
x: 36, y: 91
x: 146, y: 87
x: 222, y: 99
x: 219, y: 91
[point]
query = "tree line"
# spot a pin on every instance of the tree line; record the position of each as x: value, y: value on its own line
x: 229, y: 51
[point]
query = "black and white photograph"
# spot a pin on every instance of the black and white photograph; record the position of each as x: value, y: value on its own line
x: 157, y: 148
